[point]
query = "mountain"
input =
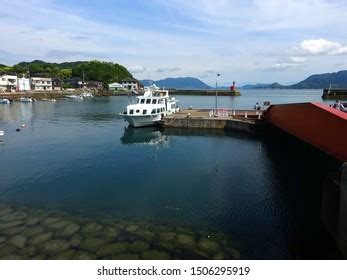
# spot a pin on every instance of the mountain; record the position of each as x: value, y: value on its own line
x: 316, y: 81
x: 178, y: 83
x: 319, y: 81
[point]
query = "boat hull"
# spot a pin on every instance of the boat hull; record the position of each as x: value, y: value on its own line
x: 141, y: 121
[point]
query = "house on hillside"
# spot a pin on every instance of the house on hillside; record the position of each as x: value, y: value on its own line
x: 131, y: 84
x: 41, y: 83
x: 115, y: 86
x: 74, y: 82
x: 8, y: 82
x: 23, y: 84
x: 57, y: 83
x: 94, y: 85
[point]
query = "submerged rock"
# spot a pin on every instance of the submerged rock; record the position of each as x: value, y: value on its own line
x: 110, y: 233
x: 209, y: 246
x: 58, y: 225
x: 167, y: 236
x: 32, y: 231
x: 69, y: 230
x: 51, y: 220
x: 81, y: 255
x: 5, y: 211
x: 67, y: 255
x: 75, y: 240
x: 132, y: 228
x: 11, y: 257
x: 91, y: 229
x: 5, y: 225
x: 91, y: 244
x: 235, y: 254
x: 40, y: 257
x: 28, y: 251
x: 18, y: 241
x: 32, y: 221
x: 39, y: 238
x: 126, y: 257
x: 218, y: 256
x: 185, y: 241
x: 55, y: 246
x: 138, y: 246
x: 14, y: 216
x: 112, y: 249
x: 155, y: 255
x: 146, y: 235
x: 2, y: 239
x: 7, y: 250
x: 13, y: 230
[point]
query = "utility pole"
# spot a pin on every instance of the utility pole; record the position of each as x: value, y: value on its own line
x: 215, y: 111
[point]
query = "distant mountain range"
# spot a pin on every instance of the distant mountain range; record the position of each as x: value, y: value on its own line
x: 178, y: 83
x: 316, y: 81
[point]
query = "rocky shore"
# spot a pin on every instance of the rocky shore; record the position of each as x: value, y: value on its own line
x: 31, y: 234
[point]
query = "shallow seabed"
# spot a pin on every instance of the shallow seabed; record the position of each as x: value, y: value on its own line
x: 37, y: 234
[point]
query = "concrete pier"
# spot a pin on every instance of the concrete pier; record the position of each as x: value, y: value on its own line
x: 239, y: 120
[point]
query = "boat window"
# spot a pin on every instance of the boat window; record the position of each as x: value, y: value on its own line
x: 144, y: 112
x: 153, y: 111
x: 158, y: 111
x: 148, y: 101
x: 138, y: 101
x: 137, y: 111
x: 131, y: 112
x: 173, y: 106
x: 154, y: 101
x: 142, y: 101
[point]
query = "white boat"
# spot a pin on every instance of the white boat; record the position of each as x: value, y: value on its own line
x: 150, y: 107
x: 26, y: 100
x: 48, y: 100
x: 86, y: 94
x: 4, y: 101
x: 73, y: 96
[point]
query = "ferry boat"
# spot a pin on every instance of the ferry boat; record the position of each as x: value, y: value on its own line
x: 150, y: 107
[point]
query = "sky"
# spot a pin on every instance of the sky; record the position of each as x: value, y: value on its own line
x: 249, y: 41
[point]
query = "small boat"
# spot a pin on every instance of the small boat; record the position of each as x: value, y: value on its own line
x: 4, y: 101
x: 48, y: 100
x: 150, y: 107
x: 2, y: 133
x: 73, y: 96
x: 26, y: 100
x: 86, y: 95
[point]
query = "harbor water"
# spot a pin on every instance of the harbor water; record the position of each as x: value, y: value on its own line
x: 220, y: 194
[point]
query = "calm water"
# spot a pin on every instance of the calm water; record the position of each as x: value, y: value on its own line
x: 76, y: 156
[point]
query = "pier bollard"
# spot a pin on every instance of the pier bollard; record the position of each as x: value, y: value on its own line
x: 259, y: 116
x: 245, y: 114
x: 234, y: 113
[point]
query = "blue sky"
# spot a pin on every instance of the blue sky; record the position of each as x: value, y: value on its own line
x: 247, y: 41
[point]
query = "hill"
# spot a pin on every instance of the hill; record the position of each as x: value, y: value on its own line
x: 178, y: 83
x: 94, y: 70
x: 319, y: 81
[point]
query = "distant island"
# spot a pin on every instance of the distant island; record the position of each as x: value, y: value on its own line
x: 316, y: 81
x: 178, y: 83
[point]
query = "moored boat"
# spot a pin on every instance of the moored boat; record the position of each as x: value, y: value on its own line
x: 150, y: 107
x: 4, y: 101
x: 26, y: 100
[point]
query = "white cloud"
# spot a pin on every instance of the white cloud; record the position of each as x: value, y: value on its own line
x: 207, y: 74
x: 136, y: 69
x: 294, y: 62
x: 321, y: 47
x: 168, y: 69
x: 297, y: 59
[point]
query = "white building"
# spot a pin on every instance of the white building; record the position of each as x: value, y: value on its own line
x: 131, y: 84
x: 115, y: 86
x: 23, y: 84
x: 40, y: 83
x: 8, y: 82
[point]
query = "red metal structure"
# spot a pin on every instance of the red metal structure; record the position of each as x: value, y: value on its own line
x: 315, y: 123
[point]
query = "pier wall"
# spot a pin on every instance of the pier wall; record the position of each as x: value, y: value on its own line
x: 342, y: 228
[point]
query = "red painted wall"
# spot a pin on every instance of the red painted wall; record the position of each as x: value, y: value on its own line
x: 318, y: 124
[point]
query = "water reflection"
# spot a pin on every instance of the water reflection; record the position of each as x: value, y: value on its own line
x: 145, y: 135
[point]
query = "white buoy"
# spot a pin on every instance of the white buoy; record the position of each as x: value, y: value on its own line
x: 23, y: 125
x: 2, y: 133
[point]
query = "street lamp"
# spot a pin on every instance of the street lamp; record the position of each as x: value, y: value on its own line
x: 215, y: 111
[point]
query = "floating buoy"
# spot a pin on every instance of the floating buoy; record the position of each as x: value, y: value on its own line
x: 2, y: 133
x: 17, y: 129
x: 23, y: 125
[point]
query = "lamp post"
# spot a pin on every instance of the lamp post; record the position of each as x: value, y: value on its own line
x: 215, y: 109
